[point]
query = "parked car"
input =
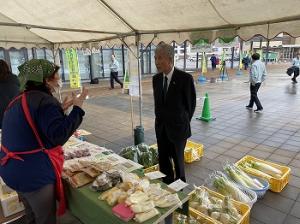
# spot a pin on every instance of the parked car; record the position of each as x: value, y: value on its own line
x: 194, y: 58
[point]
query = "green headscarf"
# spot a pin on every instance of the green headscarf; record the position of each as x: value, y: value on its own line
x: 35, y: 70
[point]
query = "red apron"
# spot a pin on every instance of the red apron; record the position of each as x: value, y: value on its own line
x: 55, y: 154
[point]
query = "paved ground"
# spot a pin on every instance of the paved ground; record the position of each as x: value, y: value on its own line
x: 273, y: 135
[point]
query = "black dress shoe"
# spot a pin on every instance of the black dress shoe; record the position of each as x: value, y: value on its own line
x: 258, y: 110
x: 248, y: 107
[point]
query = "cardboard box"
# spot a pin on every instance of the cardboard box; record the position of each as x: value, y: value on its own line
x: 11, y: 204
x: 4, y: 189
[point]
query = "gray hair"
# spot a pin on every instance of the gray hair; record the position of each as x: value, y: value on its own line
x: 167, y: 49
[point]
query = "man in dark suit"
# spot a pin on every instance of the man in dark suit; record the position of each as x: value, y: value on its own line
x: 175, y: 102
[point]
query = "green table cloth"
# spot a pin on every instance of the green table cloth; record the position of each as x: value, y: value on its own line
x: 84, y: 204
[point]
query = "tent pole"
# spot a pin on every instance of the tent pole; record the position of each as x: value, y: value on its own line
x: 267, y: 53
x: 268, y: 46
x: 232, y: 57
x: 30, y: 26
x: 132, y: 118
x: 139, y: 130
x: 140, y: 78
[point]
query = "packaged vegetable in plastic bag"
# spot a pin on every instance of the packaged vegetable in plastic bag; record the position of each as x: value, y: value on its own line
x: 154, y: 155
x: 130, y: 153
x: 144, y: 155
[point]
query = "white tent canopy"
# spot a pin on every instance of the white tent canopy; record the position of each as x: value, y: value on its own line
x: 81, y: 23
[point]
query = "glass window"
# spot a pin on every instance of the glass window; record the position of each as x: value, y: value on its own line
x: 107, y: 52
x: 96, y: 65
x: 153, y: 66
x: 179, y: 56
x: 49, y: 55
x: 145, y: 62
x: 191, y: 57
x: 191, y: 61
x: 17, y: 58
x: 29, y: 53
x: 84, y: 65
x: 40, y: 53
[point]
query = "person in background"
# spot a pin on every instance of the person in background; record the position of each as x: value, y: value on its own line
x: 213, y: 60
x: 114, y: 68
x: 296, y: 64
x: 246, y: 62
x: 9, y: 87
x: 34, y: 129
x: 257, y: 76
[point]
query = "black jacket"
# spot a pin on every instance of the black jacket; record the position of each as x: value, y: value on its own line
x: 177, y: 111
x: 9, y: 88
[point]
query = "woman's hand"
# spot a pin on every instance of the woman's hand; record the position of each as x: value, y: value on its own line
x: 78, y: 101
x: 67, y: 102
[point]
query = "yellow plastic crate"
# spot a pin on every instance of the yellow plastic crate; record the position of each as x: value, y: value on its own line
x: 243, y: 209
x: 151, y: 169
x: 276, y: 184
x: 194, y: 214
x: 192, y: 155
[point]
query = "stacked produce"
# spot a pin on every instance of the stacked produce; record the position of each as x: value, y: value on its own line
x: 183, y: 219
x: 261, y: 169
x: 243, y: 178
x: 130, y: 153
x: 78, y: 153
x: 228, y: 188
x: 161, y: 198
x: 82, y: 172
x: 142, y: 154
x: 106, y: 180
x: 129, y: 196
x: 218, y: 209
x: 140, y: 196
x: 140, y: 203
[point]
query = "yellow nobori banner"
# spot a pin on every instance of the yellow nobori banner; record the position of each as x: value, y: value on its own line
x: 203, y: 64
x: 241, y: 59
x: 222, y: 60
x: 73, y: 65
x: 126, y: 82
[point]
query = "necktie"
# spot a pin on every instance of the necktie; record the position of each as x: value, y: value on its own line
x: 165, y: 87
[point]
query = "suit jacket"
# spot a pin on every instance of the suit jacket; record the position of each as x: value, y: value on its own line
x: 175, y: 113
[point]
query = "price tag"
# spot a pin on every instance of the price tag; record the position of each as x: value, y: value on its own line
x: 155, y: 175
x: 177, y: 185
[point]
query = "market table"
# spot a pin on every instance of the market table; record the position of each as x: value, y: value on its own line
x: 84, y: 204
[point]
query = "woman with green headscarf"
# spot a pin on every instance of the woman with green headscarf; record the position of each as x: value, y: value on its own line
x: 34, y: 129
